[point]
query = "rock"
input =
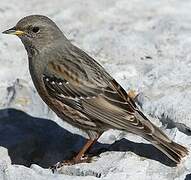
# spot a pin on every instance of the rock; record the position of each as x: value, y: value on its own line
x: 146, y: 48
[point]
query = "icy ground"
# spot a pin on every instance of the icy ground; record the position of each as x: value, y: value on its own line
x: 144, y: 44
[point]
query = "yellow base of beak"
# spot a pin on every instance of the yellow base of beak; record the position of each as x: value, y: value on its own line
x: 14, y: 32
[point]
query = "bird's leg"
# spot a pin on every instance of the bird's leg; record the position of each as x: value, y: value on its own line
x: 86, y: 147
x: 79, y: 158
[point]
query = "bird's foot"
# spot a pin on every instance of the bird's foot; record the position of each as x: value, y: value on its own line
x: 58, y: 165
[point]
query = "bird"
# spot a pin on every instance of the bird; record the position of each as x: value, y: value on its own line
x: 80, y: 91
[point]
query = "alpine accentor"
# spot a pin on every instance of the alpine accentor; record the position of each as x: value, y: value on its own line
x: 80, y: 91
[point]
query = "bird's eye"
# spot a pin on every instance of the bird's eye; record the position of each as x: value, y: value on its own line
x: 35, y: 29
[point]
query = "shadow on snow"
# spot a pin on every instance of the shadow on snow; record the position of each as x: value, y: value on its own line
x: 41, y: 141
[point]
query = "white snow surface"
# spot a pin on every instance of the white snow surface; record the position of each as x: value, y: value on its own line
x: 145, y: 45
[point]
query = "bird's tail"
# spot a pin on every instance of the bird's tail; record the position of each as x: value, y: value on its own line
x: 160, y: 140
x: 173, y: 150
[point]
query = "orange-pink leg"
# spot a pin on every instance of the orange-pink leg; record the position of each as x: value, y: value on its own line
x: 79, y: 158
x: 86, y: 147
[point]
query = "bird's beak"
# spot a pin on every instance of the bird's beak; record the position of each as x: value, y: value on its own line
x: 14, y: 31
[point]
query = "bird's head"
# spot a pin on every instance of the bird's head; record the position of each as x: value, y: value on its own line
x: 36, y: 31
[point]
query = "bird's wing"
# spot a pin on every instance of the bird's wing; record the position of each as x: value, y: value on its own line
x: 87, y: 88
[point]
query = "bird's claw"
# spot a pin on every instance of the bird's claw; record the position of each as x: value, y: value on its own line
x: 58, y: 165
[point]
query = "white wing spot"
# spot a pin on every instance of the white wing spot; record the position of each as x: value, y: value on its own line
x: 47, y: 79
x: 67, y: 82
x: 52, y: 82
x: 60, y: 83
x: 63, y: 96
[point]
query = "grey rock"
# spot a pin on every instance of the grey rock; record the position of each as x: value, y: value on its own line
x: 121, y: 35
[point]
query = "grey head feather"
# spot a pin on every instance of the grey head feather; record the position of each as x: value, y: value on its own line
x: 40, y: 32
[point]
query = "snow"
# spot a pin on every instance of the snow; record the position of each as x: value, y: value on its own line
x: 144, y: 44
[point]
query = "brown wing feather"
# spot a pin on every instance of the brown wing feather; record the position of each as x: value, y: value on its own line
x: 107, y: 103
